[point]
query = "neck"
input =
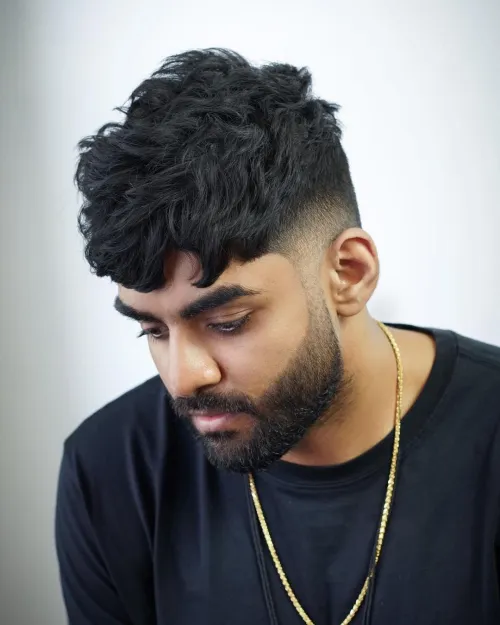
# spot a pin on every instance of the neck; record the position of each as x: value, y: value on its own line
x: 366, y: 412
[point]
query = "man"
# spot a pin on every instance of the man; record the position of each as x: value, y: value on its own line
x: 295, y: 461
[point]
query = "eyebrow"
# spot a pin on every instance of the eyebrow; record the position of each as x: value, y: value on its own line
x: 216, y: 299
x: 132, y: 313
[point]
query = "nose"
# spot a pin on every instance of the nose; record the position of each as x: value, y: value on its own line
x: 188, y: 367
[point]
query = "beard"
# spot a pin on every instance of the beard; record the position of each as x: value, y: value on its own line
x: 308, y: 393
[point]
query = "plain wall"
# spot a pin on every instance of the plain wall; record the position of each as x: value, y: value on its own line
x: 419, y: 86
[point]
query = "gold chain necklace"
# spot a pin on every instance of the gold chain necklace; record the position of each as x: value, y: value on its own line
x: 389, y: 494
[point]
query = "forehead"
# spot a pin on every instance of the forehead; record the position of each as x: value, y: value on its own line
x: 272, y: 274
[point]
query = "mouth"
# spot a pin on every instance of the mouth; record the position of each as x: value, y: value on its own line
x: 208, y: 422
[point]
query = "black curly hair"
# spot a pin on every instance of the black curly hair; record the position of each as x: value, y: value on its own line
x: 217, y: 157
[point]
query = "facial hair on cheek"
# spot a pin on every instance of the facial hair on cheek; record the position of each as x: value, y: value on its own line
x: 311, y: 384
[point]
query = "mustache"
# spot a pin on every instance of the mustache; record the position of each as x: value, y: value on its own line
x: 184, y: 406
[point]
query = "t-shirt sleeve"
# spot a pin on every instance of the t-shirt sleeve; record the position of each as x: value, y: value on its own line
x: 89, y: 594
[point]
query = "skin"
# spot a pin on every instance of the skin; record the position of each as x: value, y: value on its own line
x: 192, y: 355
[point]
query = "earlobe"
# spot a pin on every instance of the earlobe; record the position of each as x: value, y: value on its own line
x: 352, y: 270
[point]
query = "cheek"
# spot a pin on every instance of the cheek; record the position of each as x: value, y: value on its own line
x: 252, y: 363
x: 159, y: 355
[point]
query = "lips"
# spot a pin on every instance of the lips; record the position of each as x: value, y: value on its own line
x: 209, y: 422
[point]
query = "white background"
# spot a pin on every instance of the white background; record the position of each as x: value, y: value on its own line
x: 419, y: 86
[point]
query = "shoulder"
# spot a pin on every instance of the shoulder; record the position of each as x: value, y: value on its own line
x: 464, y: 383
x: 125, y: 412
x: 107, y: 501
x: 483, y: 356
x: 116, y: 459
x: 471, y: 385
x: 136, y: 416
x: 129, y: 441
x: 477, y: 371
x: 462, y: 354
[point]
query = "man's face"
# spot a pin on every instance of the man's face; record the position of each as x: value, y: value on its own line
x: 251, y: 363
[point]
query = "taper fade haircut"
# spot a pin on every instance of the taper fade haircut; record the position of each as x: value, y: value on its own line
x: 216, y: 157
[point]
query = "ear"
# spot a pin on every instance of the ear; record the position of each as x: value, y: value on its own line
x: 350, y: 272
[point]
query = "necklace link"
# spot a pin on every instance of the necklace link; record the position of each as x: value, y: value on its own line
x: 386, y: 509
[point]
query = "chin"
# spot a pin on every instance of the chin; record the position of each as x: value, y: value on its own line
x: 230, y: 451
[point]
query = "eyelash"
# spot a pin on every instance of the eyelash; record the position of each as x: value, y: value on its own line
x: 228, y: 327
x: 150, y: 332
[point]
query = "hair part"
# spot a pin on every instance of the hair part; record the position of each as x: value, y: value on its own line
x: 216, y: 157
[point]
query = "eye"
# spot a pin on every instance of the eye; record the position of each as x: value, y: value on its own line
x: 153, y: 333
x: 230, y: 327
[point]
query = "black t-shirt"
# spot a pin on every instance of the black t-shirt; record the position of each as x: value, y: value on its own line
x: 149, y: 533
